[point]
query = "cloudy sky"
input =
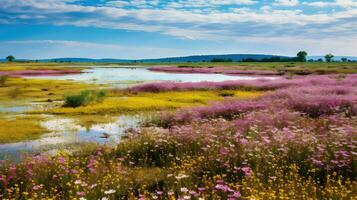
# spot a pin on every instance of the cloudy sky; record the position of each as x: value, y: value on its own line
x: 159, y: 28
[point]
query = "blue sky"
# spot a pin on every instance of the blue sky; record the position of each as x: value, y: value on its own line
x: 134, y: 29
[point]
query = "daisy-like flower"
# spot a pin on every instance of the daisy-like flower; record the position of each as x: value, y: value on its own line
x: 184, y: 189
x: 181, y: 176
x: 111, y: 191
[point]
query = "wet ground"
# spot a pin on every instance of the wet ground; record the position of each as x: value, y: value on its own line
x: 66, y: 131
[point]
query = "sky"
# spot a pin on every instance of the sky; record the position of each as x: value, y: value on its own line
x: 135, y: 29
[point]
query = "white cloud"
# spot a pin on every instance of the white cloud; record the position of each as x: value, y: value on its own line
x: 286, y: 2
x: 60, y: 12
x: 67, y: 48
x: 319, y: 3
x: 117, y: 3
x: 340, y: 3
x: 64, y: 43
x: 205, y: 20
x: 208, y: 3
x: 347, y: 3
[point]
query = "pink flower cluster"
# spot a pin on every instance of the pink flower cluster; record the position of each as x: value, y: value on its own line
x: 312, y: 95
x: 259, y: 84
x: 47, y: 72
x: 213, y: 70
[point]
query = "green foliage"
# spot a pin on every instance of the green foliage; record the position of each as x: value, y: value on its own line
x: 301, y: 56
x: 84, y: 98
x: 221, y: 60
x: 328, y: 57
x: 225, y: 93
x: 10, y: 58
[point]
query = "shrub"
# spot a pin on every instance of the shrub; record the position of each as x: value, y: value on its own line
x: 226, y: 93
x: 84, y: 98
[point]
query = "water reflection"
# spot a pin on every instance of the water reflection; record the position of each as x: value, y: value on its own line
x: 65, y: 131
x: 21, y: 107
x: 122, y: 77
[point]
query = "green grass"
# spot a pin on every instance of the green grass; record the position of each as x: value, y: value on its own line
x: 84, y: 98
x: 293, y: 67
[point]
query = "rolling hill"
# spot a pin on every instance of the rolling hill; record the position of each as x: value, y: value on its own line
x: 194, y: 58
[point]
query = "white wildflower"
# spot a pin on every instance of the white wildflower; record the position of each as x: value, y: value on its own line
x: 109, y: 192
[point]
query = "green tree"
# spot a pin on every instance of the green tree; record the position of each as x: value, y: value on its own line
x: 344, y: 59
x: 328, y: 57
x: 10, y: 58
x: 301, y: 56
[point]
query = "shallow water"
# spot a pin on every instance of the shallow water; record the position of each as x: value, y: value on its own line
x: 125, y: 76
x: 65, y: 131
x: 18, y: 108
x: 15, y: 109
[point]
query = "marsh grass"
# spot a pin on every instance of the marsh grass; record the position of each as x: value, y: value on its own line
x: 17, y: 66
x: 39, y: 90
x: 3, y: 79
x: 280, y: 67
x: 20, y: 128
x: 16, y: 91
x: 147, y: 101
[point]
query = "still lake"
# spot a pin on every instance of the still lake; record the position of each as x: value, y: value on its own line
x: 126, y: 76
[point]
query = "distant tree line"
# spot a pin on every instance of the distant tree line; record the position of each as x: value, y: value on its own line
x: 62, y: 61
x: 301, y: 56
x: 271, y: 59
x: 221, y: 60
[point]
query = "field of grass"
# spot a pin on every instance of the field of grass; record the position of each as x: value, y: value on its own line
x: 123, y: 103
x: 14, y: 66
x: 20, y: 89
x: 280, y: 67
x: 20, y: 128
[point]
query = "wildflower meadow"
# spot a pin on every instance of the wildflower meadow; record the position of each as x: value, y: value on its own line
x: 296, y: 141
